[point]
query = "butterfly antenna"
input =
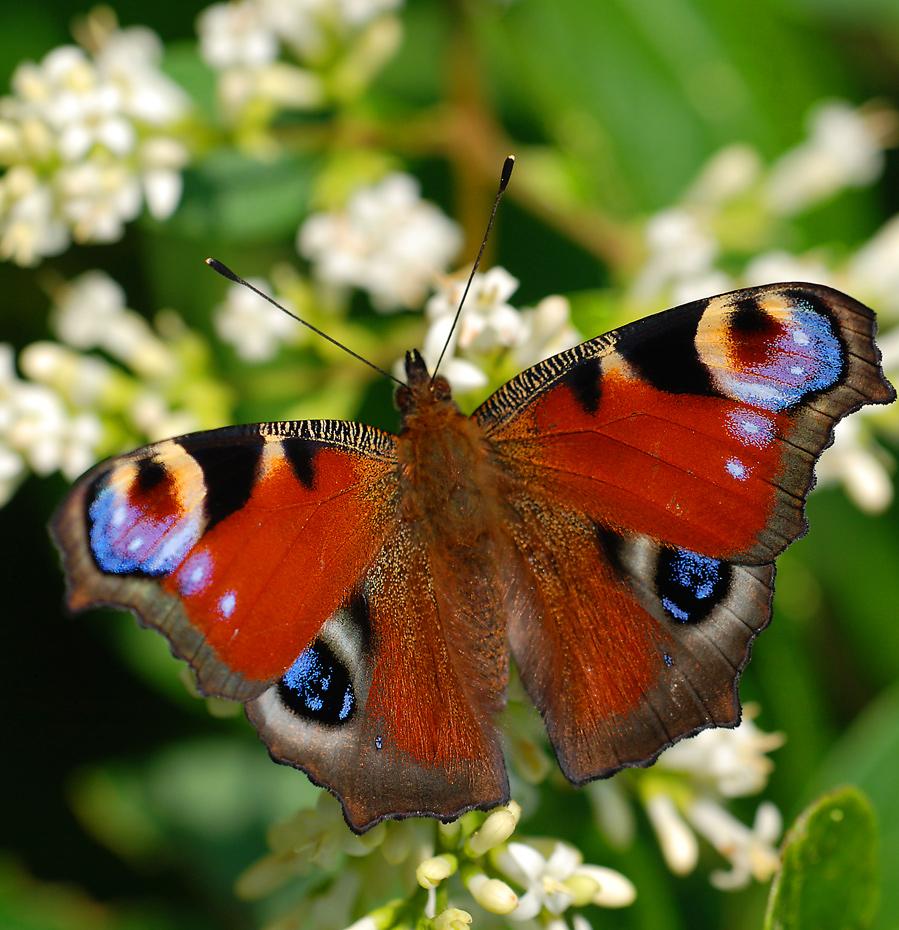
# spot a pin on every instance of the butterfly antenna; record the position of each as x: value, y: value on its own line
x: 508, y: 165
x: 226, y: 272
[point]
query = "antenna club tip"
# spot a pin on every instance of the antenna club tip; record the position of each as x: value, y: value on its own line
x: 508, y: 165
x: 223, y: 270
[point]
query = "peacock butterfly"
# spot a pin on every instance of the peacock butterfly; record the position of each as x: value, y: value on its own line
x: 610, y: 517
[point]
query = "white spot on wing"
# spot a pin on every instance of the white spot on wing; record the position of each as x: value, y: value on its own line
x: 227, y: 604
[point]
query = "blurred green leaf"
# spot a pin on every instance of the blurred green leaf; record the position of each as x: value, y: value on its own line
x: 233, y: 198
x: 868, y: 755
x: 829, y: 877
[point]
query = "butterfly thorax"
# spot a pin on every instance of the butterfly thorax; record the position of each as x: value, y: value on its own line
x: 446, y: 468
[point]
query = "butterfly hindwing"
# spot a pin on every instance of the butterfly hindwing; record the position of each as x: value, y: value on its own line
x: 626, y: 645
x: 384, y: 708
x: 237, y: 544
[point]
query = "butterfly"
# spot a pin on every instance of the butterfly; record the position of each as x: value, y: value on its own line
x: 609, y: 518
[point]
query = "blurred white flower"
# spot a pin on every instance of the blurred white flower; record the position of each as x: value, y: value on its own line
x: 243, y: 41
x: 874, y: 269
x: 751, y: 852
x: 679, y: 248
x: 252, y: 326
x: 98, y: 197
x: 388, y: 242
x: 773, y: 267
x: 85, y: 140
x: 733, y: 762
x: 84, y: 380
x: 30, y: 226
x: 38, y: 432
x: 236, y: 34
x: 677, y: 841
x: 729, y: 173
x: 549, y: 331
x: 844, y: 149
x: 861, y: 467
x: 90, y: 313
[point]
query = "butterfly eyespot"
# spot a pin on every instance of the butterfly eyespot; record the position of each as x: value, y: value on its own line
x: 690, y: 585
x: 139, y: 527
x: 318, y: 686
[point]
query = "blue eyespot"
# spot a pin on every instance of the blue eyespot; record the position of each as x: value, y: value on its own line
x: 318, y: 686
x: 690, y: 585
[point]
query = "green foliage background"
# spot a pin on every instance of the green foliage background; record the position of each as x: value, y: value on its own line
x: 612, y: 106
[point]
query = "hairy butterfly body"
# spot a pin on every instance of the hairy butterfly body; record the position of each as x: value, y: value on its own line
x: 610, y: 518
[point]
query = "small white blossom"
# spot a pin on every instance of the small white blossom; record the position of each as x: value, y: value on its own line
x: 252, y: 326
x: 30, y: 227
x: 860, y: 467
x: 91, y: 313
x: 487, y: 320
x: 677, y: 841
x: 82, y: 379
x: 496, y: 829
x: 243, y: 41
x: 462, y: 374
x: 777, y: 266
x: 37, y: 430
x: 679, y: 248
x: 552, y: 876
x: 732, y: 761
x: 844, y: 149
x: 874, y: 269
x: 751, y: 852
x: 433, y: 870
x: 453, y: 918
x: 236, y: 34
x: 729, y: 173
x: 388, y: 242
x: 549, y: 331
x: 492, y: 894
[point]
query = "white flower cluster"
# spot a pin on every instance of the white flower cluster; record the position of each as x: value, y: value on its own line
x: 58, y: 419
x: 489, y: 326
x: 244, y: 40
x: 38, y: 431
x: 85, y: 141
x: 387, y: 241
x: 688, y: 790
x: 845, y: 149
x: 551, y: 875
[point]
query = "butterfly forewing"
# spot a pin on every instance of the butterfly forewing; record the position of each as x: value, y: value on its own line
x: 699, y: 426
x: 237, y: 544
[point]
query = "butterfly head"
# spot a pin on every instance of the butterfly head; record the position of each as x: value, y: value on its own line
x: 421, y: 391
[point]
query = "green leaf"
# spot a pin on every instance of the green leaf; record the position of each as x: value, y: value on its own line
x: 868, y: 755
x: 829, y: 877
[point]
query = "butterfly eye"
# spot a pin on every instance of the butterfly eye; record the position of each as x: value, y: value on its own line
x: 441, y: 389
